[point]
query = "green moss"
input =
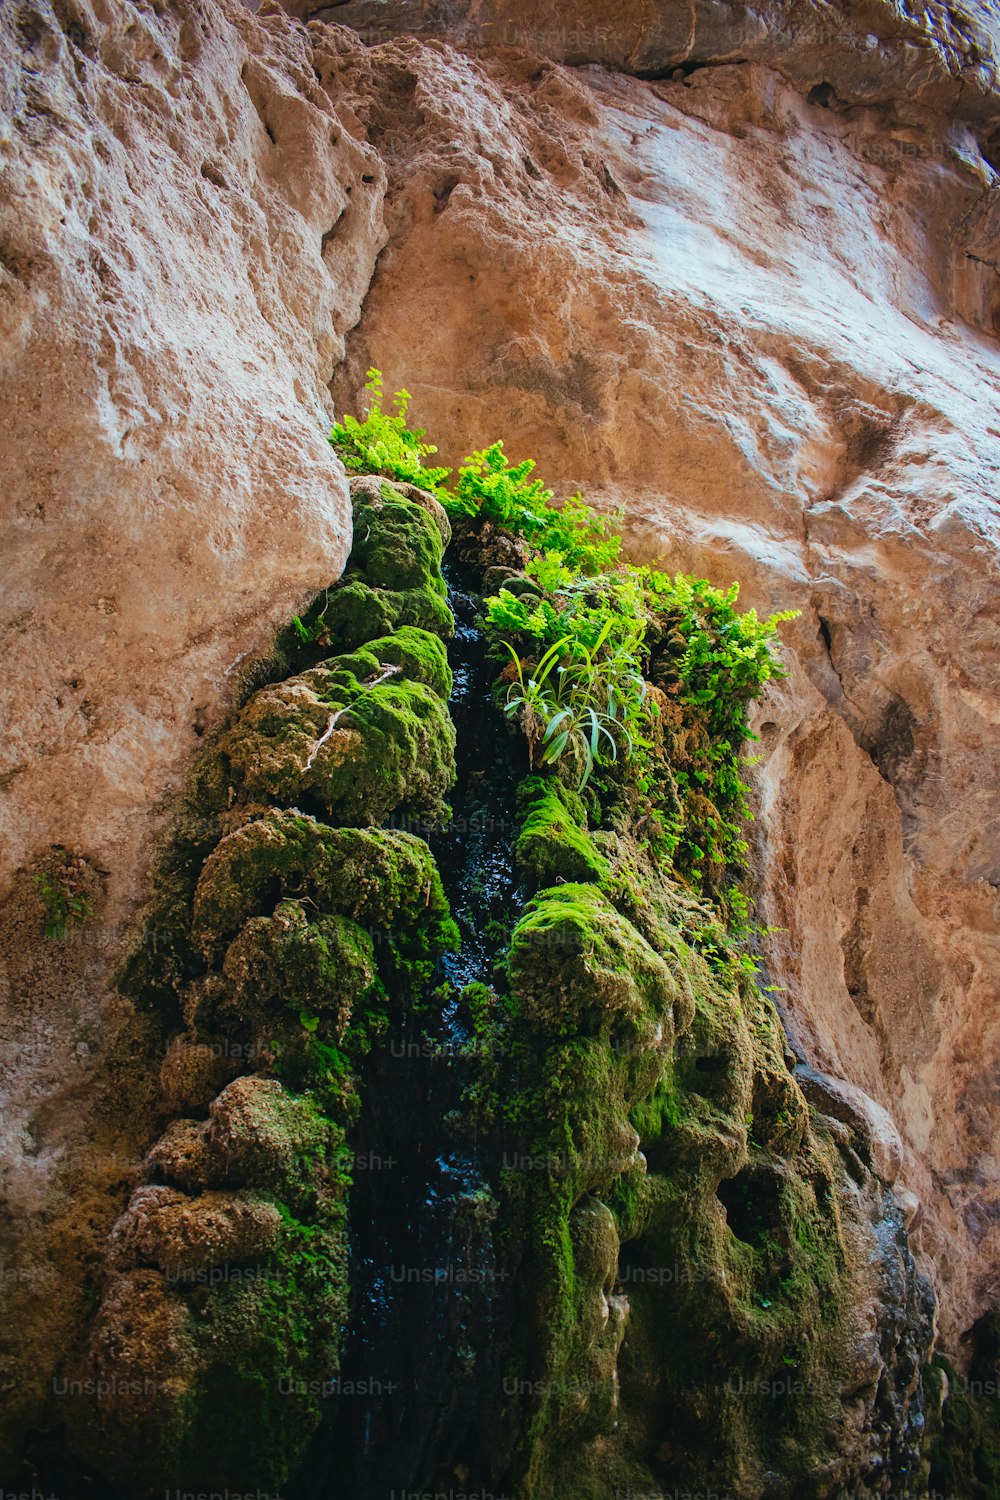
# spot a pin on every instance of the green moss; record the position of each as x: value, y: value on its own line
x: 287, y: 960
x: 267, y: 1349
x: 393, y: 576
x: 574, y: 957
x: 357, y: 612
x: 277, y: 1142
x: 965, y: 1426
x: 421, y: 656
x: 396, y: 543
x: 361, y: 749
x: 381, y: 878
x: 553, y: 844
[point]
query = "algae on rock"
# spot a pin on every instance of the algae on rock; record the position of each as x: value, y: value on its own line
x: 226, y: 1286
x: 692, y: 1254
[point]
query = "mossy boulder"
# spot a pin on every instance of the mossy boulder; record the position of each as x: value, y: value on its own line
x: 143, y: 1360
x: 363, y: 747
x: 521, y: 585
x: 182, y: 1234
x: 393, y: 576
x: 381, y: 878
x: 397, y: 544
x: 369, y: 486
x: 181, y: 1157
x: 575, y: 961
x: 357, y: 612
x: 227, y: 1303
x: 553, y: 844
x: 420, y: 656
x: 239, y: 1361
x: 326, y: 964
x: 262, y: 1136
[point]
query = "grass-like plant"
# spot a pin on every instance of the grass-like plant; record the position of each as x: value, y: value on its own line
x: 577, y: 703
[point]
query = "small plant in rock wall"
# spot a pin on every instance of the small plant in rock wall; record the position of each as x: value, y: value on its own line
x: 63, y: 895
x: 383, y: 443
x: 576, y: 704
x: 490, y: 488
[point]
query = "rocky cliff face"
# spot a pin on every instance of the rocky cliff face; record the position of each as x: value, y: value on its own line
x: 751, y: 310
x: 736, y: 269
x: 187, y: 233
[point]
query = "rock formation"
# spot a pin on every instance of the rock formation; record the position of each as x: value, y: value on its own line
x: 752, y: 311
x: 735, y: 269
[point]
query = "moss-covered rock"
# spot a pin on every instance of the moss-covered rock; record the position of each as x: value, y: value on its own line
x: 183, y: 1235
x: 225, y: 1307
x: 553, y: 843
x: 747, y: 1258
x: 382, y: 878
x: 393, y: 577
x: 262, y: 1136
x: 696, y: 1261
x: 283, y: 939
x: 192, y: 1074
x: 573, y: 956
x: 357, y: 612
x: 365, y: 734
x: 362, y: 748
x: 418, y: 655
x: 325, y: 965
x: 364, y: 486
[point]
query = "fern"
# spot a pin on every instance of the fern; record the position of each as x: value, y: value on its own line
x: 383, y: 443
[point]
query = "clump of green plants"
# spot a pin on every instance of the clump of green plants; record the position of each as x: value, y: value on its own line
x: 587, y: 635
x: 727, y: 656
x: 711, y: 662
x: 577, y: 703
x: 490, y: 488
x: 383, y: 443
x: 63, y: 895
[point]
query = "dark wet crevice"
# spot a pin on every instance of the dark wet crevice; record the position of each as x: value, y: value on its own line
x: 426, y: 1339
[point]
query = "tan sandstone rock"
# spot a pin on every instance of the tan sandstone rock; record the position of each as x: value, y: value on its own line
x: 187, y: 230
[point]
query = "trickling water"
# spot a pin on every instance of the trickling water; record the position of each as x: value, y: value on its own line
x: 426, y: 1337
x: 474, y: 853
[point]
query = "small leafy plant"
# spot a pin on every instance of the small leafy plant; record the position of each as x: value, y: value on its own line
x: 491, y: 488
x: 576, y: 703
x: 65, y: 901
x: 383, y: 443
x: 712, y: 661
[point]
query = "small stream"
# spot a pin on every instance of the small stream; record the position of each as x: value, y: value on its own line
x: 422, y: 1364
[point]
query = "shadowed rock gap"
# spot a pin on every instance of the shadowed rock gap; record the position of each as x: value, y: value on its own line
x: 430, y: 1301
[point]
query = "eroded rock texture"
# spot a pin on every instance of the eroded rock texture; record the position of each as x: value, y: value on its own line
x: 755, y: 299
x: 186, y: 232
